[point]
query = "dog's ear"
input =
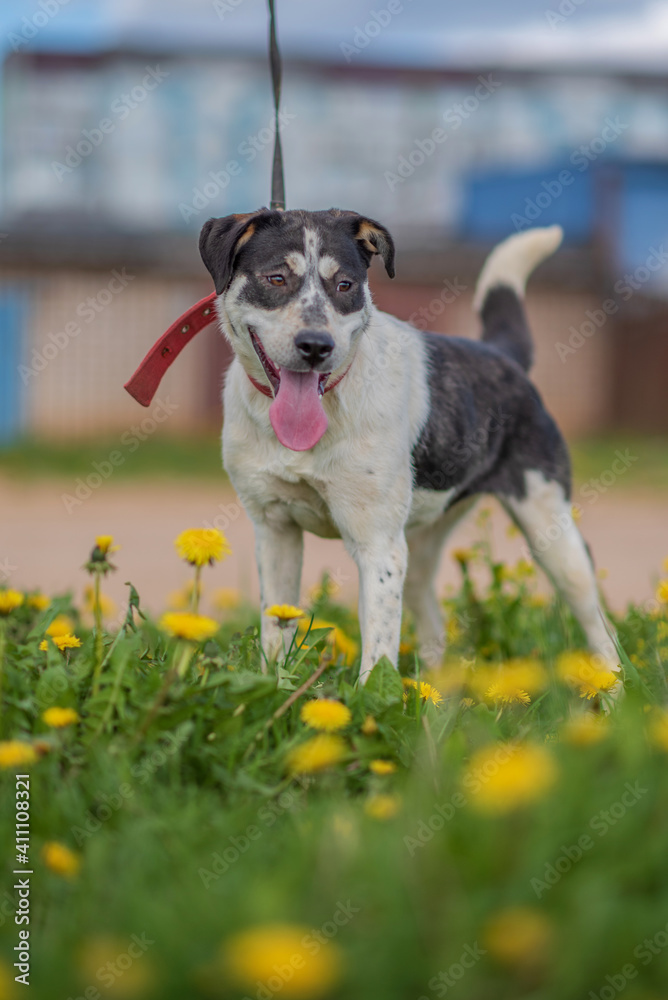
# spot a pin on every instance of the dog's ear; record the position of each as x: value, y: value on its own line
x: 221, y: 240
x: 375, y: 239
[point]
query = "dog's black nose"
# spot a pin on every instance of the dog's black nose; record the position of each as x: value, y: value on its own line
x: 314, y: 346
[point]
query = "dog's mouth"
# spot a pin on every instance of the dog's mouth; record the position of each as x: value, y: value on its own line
x: 273, y: 372
x: 296, y: 414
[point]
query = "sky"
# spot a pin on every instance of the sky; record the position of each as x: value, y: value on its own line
x: 615, y: 34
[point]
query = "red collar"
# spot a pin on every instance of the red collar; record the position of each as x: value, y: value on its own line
x: 144, y: 383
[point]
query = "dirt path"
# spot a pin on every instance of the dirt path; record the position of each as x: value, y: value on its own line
x: 45, y: 545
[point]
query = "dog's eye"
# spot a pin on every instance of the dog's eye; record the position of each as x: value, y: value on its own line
x: 276, y: 279
x: 344, y: 286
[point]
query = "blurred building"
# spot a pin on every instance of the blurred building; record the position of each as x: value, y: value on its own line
x: 112, y: 158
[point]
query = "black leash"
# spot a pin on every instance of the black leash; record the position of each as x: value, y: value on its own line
x: 277, y: 181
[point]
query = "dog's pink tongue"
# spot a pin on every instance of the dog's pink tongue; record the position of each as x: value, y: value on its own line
x: 296, y: 414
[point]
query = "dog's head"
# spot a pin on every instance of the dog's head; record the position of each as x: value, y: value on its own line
x: 294, y: 301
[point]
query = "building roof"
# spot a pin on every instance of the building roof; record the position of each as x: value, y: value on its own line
x: 610, y: 35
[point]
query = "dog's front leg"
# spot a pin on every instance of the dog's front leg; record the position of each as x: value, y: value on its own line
x: 382, y: 569
x: 279, y: 551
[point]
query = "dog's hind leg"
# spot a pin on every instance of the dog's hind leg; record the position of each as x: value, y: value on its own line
x: 545, y: 518
x: 279, y: 550
x: 425, y: 546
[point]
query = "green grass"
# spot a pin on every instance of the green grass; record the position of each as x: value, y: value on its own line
x: 199, y: 457
x: 174, y: 789
x: 167, y: 456
x: 644, y: 464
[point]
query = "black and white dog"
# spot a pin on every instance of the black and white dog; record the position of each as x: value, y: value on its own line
x: 346, y: 422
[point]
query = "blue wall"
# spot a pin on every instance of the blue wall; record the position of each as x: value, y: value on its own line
x: 12, y: 391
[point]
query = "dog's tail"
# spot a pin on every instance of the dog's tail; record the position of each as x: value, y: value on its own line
x: 499, y: 293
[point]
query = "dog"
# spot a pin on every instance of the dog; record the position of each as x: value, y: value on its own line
x: 349, y: 423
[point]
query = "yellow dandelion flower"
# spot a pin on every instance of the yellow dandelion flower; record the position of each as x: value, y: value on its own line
x: 199, y: 546
x: 512, y: 682
x: 62, y: 642
x: 382, y: 806
x: 226, y: 598
x: 10, y: 600
x: 15, y: 753
x: 285, y: 613
x: 503, y: 777
x: 463, y: 556
x: 585, y: 730
x: 102, y: 952
x: 107, y: 606
x: 407, y: 646
x: 58, y: 718
x: 105, y: 544
x: 39, y: 602
x: 662, y: 592
x: 60, y: 859
x: 658, y: 729
x: 340, y: 643
x: 187, y: 625
x: 369, y: 727
x: 582, y: 671
x: 602, y: 573
x: 254, y: 955
x: 61, y: 625
x: 344, y: 646
x: 326, y: 714
x: 427, y: 691
x: 382, y: 767
x: 452, y: 629
x: 519, y: 936
x: 452, y: 676
x: 467, y: 703
x: 317, y: 754
x: 502, y: 695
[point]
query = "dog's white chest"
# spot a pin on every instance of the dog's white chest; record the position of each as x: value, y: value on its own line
x: 300, y: 501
